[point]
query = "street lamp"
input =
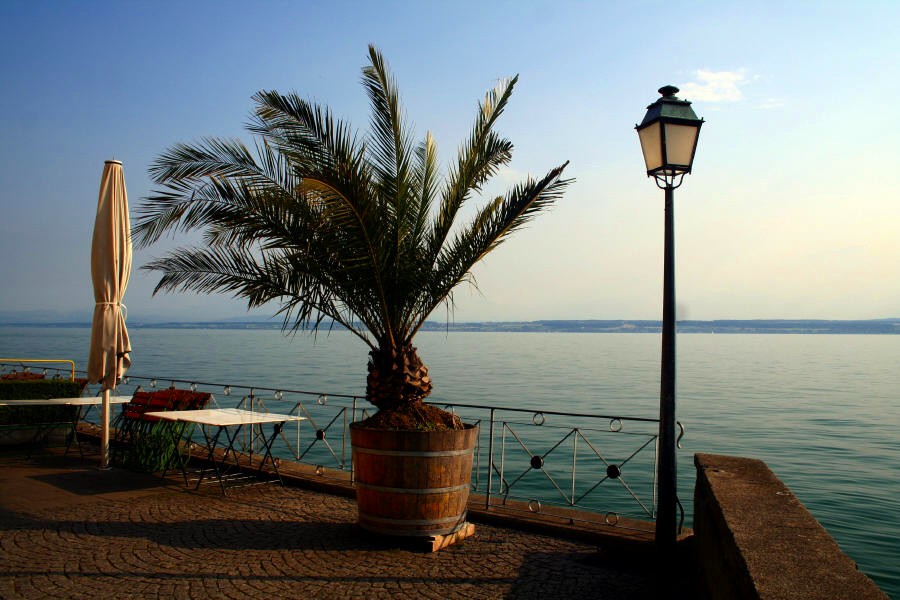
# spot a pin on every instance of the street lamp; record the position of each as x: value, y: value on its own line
x: 668, y: 135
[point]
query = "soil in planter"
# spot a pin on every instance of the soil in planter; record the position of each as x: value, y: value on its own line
x: 416, y: 416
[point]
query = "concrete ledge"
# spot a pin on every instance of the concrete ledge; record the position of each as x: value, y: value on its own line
x: 755, y: 540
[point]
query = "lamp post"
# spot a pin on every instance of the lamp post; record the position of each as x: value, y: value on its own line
x: 668, y: 136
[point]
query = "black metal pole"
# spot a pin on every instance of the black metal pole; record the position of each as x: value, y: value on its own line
x: 666, y: 527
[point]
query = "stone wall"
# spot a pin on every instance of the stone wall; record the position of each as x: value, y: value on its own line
x: 755, y: 540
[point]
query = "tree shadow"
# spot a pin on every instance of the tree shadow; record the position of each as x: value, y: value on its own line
x: 87, y: 483
x: 210, y: 533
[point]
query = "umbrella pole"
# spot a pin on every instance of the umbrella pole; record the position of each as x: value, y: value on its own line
x: 104, y: 434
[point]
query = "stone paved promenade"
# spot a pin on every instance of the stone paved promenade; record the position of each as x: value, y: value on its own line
x: 68, y: 530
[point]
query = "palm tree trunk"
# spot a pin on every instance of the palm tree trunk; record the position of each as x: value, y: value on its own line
x: 397, y: 378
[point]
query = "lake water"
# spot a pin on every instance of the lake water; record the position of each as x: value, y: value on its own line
x: 821, y: 410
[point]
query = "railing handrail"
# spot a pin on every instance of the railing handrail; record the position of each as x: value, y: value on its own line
x: 548, y: 412
x: 21, y: 362
x: 244, y: 386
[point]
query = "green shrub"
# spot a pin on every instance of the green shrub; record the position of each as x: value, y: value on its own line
x: 33, y: 390
x: 39, y: 388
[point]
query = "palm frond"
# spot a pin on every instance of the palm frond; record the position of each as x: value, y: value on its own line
x: 210, y: 157
x: 491, y: 226
x: 200, y: 183
x: 391, y: 147
x: 258, y: 279
x: 479, y: 158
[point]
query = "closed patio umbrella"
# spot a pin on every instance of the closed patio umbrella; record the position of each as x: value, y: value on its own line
x: 110, y: 270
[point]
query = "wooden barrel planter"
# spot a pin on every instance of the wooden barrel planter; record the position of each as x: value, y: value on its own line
x: 412, y: 483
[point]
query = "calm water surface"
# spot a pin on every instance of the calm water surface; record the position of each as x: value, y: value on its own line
x: 820, y: 410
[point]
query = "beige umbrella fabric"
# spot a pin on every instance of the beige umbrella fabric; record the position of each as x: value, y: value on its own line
x: 110, y: 271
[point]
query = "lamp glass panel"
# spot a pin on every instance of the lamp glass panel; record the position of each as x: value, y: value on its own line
x: 680, y: 140
x: 651, y: 145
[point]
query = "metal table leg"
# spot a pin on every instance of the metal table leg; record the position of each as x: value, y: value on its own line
x: 211, y: 456
x: 268, y: 454
x: 176, y: 434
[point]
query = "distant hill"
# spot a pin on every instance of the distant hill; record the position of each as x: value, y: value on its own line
x: 781, y: 326
x: 875, y: 326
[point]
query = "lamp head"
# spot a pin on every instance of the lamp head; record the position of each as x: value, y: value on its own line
x: 668, y: 135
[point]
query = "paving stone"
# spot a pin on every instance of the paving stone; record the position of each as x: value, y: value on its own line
x: 163, y: 540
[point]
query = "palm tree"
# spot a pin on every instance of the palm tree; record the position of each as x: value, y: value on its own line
x: 339, y: 228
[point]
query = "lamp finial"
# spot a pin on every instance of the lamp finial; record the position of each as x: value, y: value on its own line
x: 668, y: 91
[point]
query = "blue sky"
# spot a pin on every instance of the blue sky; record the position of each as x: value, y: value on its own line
x: 792, y: 210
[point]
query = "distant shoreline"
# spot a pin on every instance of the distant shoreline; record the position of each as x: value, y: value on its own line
x: 724, y: 326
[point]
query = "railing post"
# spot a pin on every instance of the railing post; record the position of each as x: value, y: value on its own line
x: 346, y: 433
x: 252, y: 409
x: 344, y: 439
x: 490, y: 481
x: 574, y: 461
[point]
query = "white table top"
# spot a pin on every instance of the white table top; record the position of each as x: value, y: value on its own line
x: 85, y: 401
x: 224, y: 417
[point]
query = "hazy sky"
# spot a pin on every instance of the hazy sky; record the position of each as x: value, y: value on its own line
x: 792, y: 211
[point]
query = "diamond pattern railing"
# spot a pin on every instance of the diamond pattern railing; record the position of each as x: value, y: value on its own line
x: 568, y: 460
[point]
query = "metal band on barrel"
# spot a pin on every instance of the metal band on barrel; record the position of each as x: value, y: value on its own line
x: 386, y: 521
x: 394, y: 490
x: 422, y: 453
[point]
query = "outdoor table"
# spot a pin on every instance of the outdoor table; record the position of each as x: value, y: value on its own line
x: 83, y: 404
x: 225, y: 419
x: 88, y: 401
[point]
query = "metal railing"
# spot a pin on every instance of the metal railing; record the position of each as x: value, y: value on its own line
x: 524, y: 459
x: 25, y: 364
x: 597, y: 463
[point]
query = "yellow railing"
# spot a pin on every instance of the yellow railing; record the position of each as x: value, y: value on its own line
x: 41, y: 360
